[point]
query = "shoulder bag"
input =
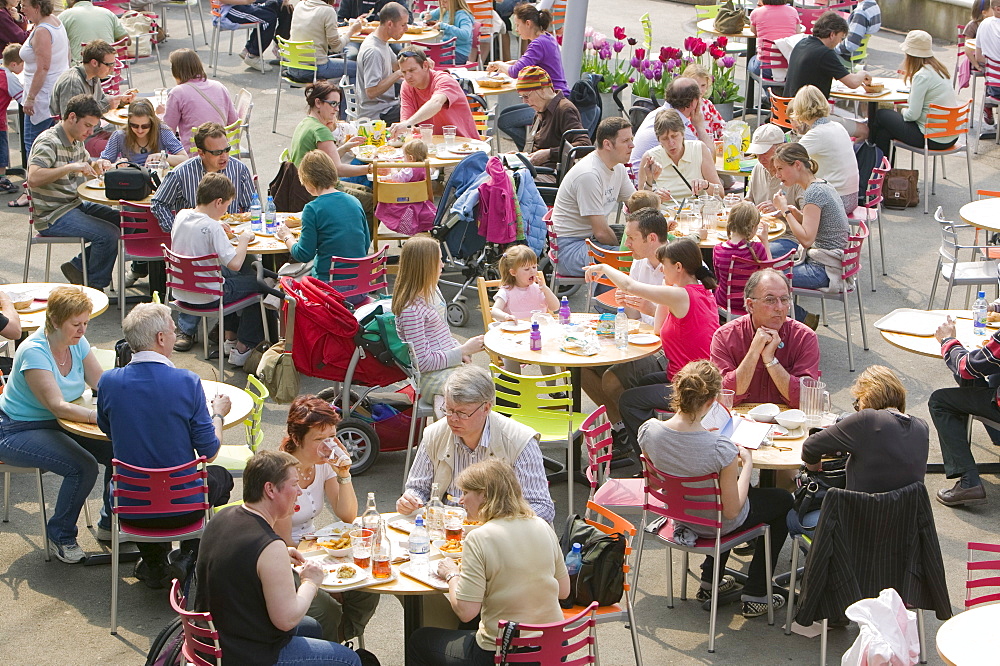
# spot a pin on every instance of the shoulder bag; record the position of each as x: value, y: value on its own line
x: 131, y: 182
x: 900, y: 189
x: 730, y: 20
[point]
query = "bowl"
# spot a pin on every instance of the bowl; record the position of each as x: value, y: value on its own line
x: 335, y: 552
x: 874, y: 87
x: 765, y: 413
x: 438, y: 543
x: 396, y: 143
x: 791, y: 419
x: 20, y: 300
x: 468, y: 527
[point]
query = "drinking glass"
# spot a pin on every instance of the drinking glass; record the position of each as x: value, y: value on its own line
x: 731, y: 200
x: 454, y: 518
x: 726, y: 397
x: 361, y: 544
x: 450, y: 132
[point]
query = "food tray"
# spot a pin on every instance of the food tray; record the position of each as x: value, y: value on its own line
x: 909, y: 321
x: 325, y: 559
x: 402, y: 524
x: 431, y: 579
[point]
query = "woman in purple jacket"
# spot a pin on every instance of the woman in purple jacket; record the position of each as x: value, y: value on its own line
x: 13, y: 25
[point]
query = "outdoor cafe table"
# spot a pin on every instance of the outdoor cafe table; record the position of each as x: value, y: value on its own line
x: 708, y: 26
x: 96, y: 195
x: 32, y: 319
x: 475, y: 76
x: 982, y: 214
x: 438, y: 159
x: 970, y: 637
x: 424, y: 35
x: 895, y: 91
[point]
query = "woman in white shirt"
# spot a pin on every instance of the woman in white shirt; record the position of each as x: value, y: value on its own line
x: 929, y: 84
x: 686, y: 167
x: 827, y: 142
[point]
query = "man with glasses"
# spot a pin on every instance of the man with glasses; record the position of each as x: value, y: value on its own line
x: 179, y: 189
x: 378, y: 70
x: 85, y: 79
x: 470, y: 433
x: 764, y: 354
x: 431, y: 96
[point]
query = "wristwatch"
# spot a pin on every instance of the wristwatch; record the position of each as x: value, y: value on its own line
x: 451, y: 575
x: 214, y: 416
x: 773, y: 361
x: 344, y: 480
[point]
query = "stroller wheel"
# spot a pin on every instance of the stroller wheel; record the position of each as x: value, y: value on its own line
x: 361, y: 442
x: 458, y: 314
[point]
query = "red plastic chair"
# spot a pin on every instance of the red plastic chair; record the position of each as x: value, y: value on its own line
x: 442, y: 53
x: 363, y: 275
x: 141, y: 243
x: 189, y: 274
x: 991, y: 74
x: 808, y: 16
x: 48, y: 241
x: 739, y: 271
x: 770, y: 58
x: 553, y: 255
x: 982, y: 565
x: 159, y: 491
x: 871, y: 211
x: 197, y: 628
x: 677, y: 498
x: 557, y: 641
x: 604, y: 489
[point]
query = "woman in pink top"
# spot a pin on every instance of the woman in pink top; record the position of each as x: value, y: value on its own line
x: 687, y: 317
x: 773, y: 20
x: 195, y: 99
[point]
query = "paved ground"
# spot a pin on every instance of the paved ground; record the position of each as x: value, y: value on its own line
x: 54, y: 613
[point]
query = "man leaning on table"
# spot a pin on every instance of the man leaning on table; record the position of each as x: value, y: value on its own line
x: 978, y: 375
x: 431, y: 96
x: 177, y: 431
x: 764, y: 355
x: 470, y: 433
x: 85, y: 79
x: 378, y: 70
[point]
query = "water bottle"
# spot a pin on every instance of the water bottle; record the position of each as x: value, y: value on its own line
x: 255, y: 223
x: 564, y: 311
x: 979, y: 310
x: 435, y: 515
x: 420, y: 548
x: 370, y: 518
x: 535, y: 338
x: 621, y: 329
x: 574, y: 560
x: 270, y: 217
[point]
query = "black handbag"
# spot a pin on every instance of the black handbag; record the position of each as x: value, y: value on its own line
x: 131, y: 182
x: 811, y: 486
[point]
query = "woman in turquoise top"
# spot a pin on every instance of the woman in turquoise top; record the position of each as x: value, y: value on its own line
x: 332, y: 224
x: 455, y: 21
x: 51, y: 369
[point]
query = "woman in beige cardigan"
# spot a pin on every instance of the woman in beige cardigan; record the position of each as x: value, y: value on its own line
x: 316, y: 21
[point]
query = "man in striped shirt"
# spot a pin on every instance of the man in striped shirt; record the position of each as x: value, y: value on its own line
x: 470, y: 433
x: 866, y: 19
x: 179, y: 189
x: 57, y: 166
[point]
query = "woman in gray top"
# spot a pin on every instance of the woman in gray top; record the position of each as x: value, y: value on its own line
x: 681, y: 446
x: 821, y: 224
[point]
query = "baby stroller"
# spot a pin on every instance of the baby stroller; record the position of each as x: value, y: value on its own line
x: 328, y: 342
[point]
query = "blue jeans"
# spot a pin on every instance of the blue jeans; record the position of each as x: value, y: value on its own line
x: 31, y: 131
x: 307, y: 647
x: 247, y: 323
x: 804, y: 526
x: 754, y: 67
x: 261, y: 10
x: 809, y: 275
x: 514, y: 121
x: 332, y: 69
x: 99, y: 225
x: 4, y: 150
x: 573, y: 258
x: 44, y: 444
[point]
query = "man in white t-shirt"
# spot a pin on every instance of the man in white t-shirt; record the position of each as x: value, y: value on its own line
x: 764, y: 184
x: 988, y: 46
x: 378, y: 69
x: 593, y: 190
x: 198, y: 232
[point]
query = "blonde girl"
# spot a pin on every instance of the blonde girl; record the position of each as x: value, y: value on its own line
x: 455, y: 21
x: 407, y: 218
x: 522, y: 289
x: 743, y: 226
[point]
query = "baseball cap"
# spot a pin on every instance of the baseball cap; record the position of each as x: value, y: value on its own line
x: 764, y: 137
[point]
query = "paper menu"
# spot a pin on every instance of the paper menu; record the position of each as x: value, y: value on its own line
x: 742, y: 431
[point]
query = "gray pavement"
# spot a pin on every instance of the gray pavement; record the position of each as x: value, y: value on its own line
x: 55, y: 613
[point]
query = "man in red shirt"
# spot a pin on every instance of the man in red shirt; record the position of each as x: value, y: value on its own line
x: 431, y: 96
x: 765, y: 354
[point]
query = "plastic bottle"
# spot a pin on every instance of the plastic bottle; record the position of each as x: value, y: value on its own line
x: 270, y: 217
x: 435, y: 515
x: 535, y: 338
x: 564, y: 311
x: 979, y: 309
x: 420, y: 548
x: 256, y: 225
x: 370, y: 518
x: 574, y: 560
x: 621, y: 329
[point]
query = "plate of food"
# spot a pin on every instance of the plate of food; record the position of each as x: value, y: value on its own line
x: 643, y: 339
x: 336, y: 528
x: 94, y: 184
x: 452, y: 549
x: 993, y: 319
x: 236, y: 218
x: 519, y: 326
x: 338, y: 574
x: 469, y: 146
x: 290, y: 220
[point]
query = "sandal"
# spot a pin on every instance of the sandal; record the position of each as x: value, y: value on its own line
x: 17, y: 203
x: 7, y: 187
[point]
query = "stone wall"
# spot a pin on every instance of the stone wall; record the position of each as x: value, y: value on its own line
x: 938, y: 17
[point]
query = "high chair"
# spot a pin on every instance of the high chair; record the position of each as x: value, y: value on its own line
x: 397, y: 193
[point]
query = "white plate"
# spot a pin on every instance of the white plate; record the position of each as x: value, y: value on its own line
x: 336, y: 527
x: 643, y: 339
x: 402, y: 524
x: 331, y: 578
x: 430, y: 578
x: 469, y: 146
x: 515, y: 327
x: 94, y: 184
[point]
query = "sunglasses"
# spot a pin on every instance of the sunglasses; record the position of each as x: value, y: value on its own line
x: 409, y: 54
x: 108, y: 64
x: 333, y: 104
x: 140, y: 127
x: 216, y: 153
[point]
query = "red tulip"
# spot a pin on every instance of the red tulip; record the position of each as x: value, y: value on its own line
x: 640, y: 53
x: 721, y: 41
x: 619, y: 32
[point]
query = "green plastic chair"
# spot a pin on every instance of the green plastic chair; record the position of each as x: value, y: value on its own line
x: 234, y: 456
x: 538, y: 405
x: 861, y: 55
x: 217, y: 509
x: 233, y: 133
x: 294, y: 55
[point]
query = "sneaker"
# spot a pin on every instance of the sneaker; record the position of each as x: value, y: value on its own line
x: 70, y: 553
x: 228, y: 346
x: 254, y: 62
x: 238, y: 358
x: 758, y: 608
x: 184, y: 342
x: 726, y: 585
x: 103, y: 534
x: 72, y: 273
x: 131, y: 278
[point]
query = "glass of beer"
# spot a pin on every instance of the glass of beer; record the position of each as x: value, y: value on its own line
x: 454, y: 517
x: 381, y: 568
x: 361, y: 544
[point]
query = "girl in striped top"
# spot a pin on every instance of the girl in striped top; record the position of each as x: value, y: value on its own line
x: 744, y: 224
x: 421, y: 321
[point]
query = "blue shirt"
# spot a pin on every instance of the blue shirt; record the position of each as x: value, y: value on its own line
x: 18, y: 401
x: 333, y: 224
x: 116, y: 149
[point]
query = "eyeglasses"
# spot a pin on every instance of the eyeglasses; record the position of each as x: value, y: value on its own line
x: 108, y: 64
x: 136, y: 126
x: 462, y: 416
x: 333, y: 104
x: 216, y: 153
x: 525, y: 95
x: 771, y: 301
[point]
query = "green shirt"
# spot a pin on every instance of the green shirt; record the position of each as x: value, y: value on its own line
x: 84, y: 23
x: 53, y: 149
x: 307, y: 134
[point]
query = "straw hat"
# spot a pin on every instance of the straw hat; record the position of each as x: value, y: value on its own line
x: 917, y: 44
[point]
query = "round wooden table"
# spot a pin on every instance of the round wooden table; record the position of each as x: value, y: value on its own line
x: 33, y: 318
x: 96, y: 195
x: 438, y: 159
x: 929, y: 346
x: 242, y: 406
x: 424, y: 35
x: 475, y: 76
x: 117, y: 117
x: 970, y: 638
x: 895, y: 91
x: 784, y: 453
x: 983, y: 214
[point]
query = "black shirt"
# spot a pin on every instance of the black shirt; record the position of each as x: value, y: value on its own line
x: 811, y: 63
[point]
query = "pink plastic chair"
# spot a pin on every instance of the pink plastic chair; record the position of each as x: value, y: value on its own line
x: 48, y: 242
x: 871, y: 211
x: 159, y: 491
x: 553, y: 255
x: 188, y: 274
x: 604, y: 489
x: 808, y: 16
x: 442, y: 53
x: 677, y: 498
x: 739, y: 271
x: 142, y: 243
x: 771, y: 59
x: 363, y: 275
x: 558, y: 640
x: 199, y: 629
x: 982, y: 565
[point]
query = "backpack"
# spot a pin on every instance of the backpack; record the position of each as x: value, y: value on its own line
x: 601, y: 577
x: 900, y: 189
x: 380, y: 337
x: 869, y: 157
x: 123, y: 353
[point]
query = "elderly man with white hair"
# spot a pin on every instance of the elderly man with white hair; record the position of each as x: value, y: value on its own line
x: 472, y: 432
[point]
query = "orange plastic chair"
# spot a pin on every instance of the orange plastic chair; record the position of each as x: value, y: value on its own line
x: 620, y: 259
x: 482, y: 13
x: 200, y: 635
x: 558, y: 18
x: 553, y: 643
x: 974, y: 565
x: 779, y: 110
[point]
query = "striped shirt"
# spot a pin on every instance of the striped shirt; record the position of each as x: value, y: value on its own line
x: 116, y: 149
x: 973, y: 363
x: 866, y: 19
x: 528, y: 469
x: 179, y: 189
x: 51, y: 150
x: 424, y: 327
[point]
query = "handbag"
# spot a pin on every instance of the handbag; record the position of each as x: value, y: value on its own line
x: 730, y: 20
x: 277, y: 372
x: 811, y: 487
x: 131, y: 182
x: 900, y: 189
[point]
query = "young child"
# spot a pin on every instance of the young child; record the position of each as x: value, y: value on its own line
x: 522, y: 291
x: 646, y: 199
x: 744, y: 224
x: 10, y: 88
x: 408, y: 218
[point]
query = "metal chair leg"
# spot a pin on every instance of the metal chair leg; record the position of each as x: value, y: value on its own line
x: 41, y: 511
x: 770, y: 575
x: 790, y: 606
x: 922, y: 635
x: 847, y: 329
x: 881, y: 244
x: 822, y: 644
